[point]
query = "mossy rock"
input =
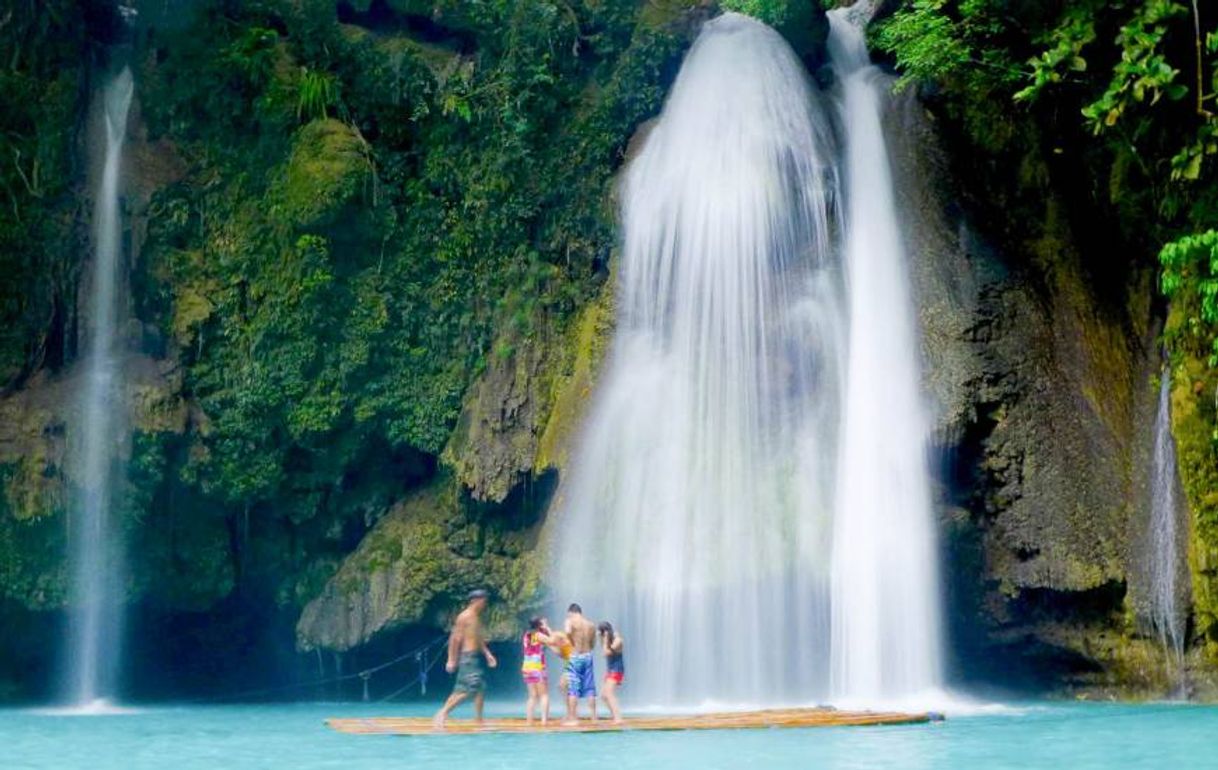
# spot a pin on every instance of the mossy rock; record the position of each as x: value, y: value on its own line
x: 411, y: 570
x: 327, y: 171
x: 1193, y: 421
x: 573, y: 385
x: 523, y: 413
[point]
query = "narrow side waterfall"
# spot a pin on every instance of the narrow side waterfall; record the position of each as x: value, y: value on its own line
x: 886, y: 615
x: 1164, y: 560
x: 95, y: 616
x: 696, y: 516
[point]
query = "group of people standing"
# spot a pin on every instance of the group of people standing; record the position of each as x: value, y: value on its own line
x: 574, y: 644
x: 469, y: 656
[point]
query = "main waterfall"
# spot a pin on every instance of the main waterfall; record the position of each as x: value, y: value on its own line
x: 697, y: 514
x: 95, y: 616
x: 885, y: 585
x: 750, y: 502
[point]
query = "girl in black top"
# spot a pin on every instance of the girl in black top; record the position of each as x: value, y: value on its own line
x: 615, y: 668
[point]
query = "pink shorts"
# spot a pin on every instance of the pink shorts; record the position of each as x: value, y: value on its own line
x: 535, y: 677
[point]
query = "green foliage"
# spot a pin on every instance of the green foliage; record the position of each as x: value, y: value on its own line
x: 1143, y: 75
x: 318, y: 94
x: 797, y: 20
x: 43, y: 48
x: 364, y: 213
x: 1119, y: 65
x: 1190, y: 278
x: 1064, y: 52
x: 951, y: 42
x: 929, y: 42
x: 773, y: 12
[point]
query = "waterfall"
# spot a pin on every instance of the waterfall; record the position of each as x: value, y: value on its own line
x: 884, y: 583
x: 1163, y: 551
x: 750, y: 501
x: 95, y: 614
x: 696, y: 514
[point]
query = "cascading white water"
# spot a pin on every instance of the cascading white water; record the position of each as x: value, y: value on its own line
x: 750, y: 502
x: 886, y: 616
x: 696, y: 516
x: 95, y: 615
x: 1163, y: 552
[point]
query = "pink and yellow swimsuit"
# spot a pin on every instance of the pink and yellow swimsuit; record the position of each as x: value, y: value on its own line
x: 534, y: 666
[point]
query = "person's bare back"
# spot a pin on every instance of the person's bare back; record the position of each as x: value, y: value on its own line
x: 582, y: 632
x: 468, y: 625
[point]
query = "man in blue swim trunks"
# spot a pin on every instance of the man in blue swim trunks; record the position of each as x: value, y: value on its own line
x: 581, y: 679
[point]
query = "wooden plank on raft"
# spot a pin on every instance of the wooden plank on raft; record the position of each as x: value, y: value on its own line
x: 727, y: 720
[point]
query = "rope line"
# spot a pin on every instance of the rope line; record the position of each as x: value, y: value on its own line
x: 364, y: 674
x: 420, y: 678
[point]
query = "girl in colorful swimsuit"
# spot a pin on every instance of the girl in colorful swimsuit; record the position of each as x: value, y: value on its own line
x: 615, y: 668
x: 533, y: 669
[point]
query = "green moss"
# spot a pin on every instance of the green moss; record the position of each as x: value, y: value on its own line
x: 328, y: 169
x: 1127, y: 667
x: 32, y: 546
x: 1193, y: 421
x: 33, y: 486
x: 414, y: 568
x: 572, y: 385
x: 658, y: 14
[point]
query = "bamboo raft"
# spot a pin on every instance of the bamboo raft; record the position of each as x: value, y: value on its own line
x: 728, y: 720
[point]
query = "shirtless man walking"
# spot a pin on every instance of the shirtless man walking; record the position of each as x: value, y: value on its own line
x: 466, y: 650
x: 581, y: 679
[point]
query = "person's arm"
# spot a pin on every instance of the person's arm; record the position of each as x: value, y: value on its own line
x: 617, y: 644
x: 454, y: 645
x: 490, y: 657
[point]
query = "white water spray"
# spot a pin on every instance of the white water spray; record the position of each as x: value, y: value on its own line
x: 95, y: 616
x: 696, y: 515
x: 1163, y: 537
x: 885, y: 585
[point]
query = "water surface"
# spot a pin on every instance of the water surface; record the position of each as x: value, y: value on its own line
x: 1074, y: 737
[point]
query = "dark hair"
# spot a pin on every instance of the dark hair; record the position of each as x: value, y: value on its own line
x: 535, y: 623
x: 479, y: 593
x: 575, y: 608
x: 606, y: 628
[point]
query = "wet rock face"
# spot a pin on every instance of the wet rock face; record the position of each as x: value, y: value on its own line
x: 524, y: 411
x: 416, y: 565
x: 500, y: 426
x: 1040, y: 401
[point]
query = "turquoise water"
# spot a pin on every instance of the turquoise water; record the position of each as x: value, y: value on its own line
x: 1062, y: 737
